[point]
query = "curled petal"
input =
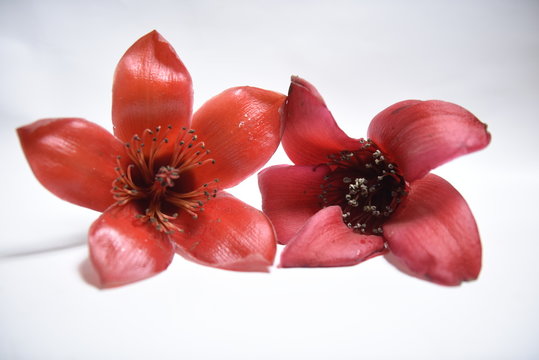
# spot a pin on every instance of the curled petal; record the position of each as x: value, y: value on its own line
x: 433, y: 235
x: 124, y: 250
x: 421, y: 135
x: 326, y: 241
x: 311, y: 133
x: 290, y: 196
x: 228, y: 234
x: 73, y: 158
x: 242, y: 128
x: 151, y: 88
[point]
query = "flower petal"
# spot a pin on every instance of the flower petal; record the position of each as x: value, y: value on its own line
x: 151, y: 88
x: 242, y: 128
x: 73, y: 158
x: 311, y: 133
x: 290, y: 196
x: 228, y: 234
x: 421, y: 135
x: 124, y: 250
x: 326, y: 241
x: 433, y: 234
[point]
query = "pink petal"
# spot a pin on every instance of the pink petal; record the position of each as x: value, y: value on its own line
x: 151, y: 88
x: 290, y: 196
x: 228, y: 234
x: 74, y: 159
x: 242, y: 129
x: 311, y: 133
x: 124, y: 250
x: 421, y: 135
x: 326, y: 241
x: 433, y: 234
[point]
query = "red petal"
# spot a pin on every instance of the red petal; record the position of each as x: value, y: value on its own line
x: 290, y: 196
x: 73, y: 158
x: 242, y: 128
x: 326, y: 241
x: 151, y: 88
x: 311, y: 133
x: 421, y: 135
x: 433, y: 234
x: 228, y: 234
x: 124, y: 250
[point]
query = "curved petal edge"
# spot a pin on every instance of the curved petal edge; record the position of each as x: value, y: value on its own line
x: 73, y: 158
x: 421, y: 135
x: 228, y: 234
x: 124, y: 250
x: 326, y: 241
x: 433, y: 235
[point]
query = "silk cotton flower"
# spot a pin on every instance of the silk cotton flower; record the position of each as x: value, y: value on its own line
x: 159, y: 179
x: 346, y: 200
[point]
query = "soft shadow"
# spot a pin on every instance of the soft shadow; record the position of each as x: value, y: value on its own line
x: 88, y: 274
x: 64, y: 244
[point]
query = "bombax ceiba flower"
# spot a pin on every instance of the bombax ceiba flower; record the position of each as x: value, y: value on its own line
x: 159, y: 179
x: 346, y: 200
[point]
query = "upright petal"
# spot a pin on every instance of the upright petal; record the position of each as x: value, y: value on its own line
x: 311, y: 133
x: 290, y: 196
x: 433, y: 234
x: 242, y: 129
x: 421, y: 135
x: 326, y: 241
x: 151, y: 88
x: 124, y: 250
x: 73, y: 158
x: 228, y: 234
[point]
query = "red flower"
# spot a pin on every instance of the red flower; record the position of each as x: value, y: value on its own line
x: 153, y: 179
x: 347, y: 200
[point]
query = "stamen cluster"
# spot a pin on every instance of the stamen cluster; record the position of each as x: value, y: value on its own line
x: 159, y: 177
x: 366, y: 185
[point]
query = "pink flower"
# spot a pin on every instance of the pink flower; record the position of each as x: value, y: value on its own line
x: 346, y: 200
x: 155, y: 180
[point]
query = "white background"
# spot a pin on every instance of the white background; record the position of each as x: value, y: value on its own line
x: 57, y: 59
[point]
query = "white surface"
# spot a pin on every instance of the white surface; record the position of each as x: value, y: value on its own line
x: 58, y: 59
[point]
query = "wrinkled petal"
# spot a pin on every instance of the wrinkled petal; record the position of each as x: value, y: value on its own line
x: 433, y: 235
x: 290, y: 196
x: 326, y: 241
x: 311, y: 133
x: 421, y: 135
x: 73, y: 158
x: 151, y: 88
x: 228, y: 234
x: 123, y: 249
x: 242, y: 129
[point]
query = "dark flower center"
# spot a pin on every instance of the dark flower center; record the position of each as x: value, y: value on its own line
x: 366, y: 185
x: 159, y: 177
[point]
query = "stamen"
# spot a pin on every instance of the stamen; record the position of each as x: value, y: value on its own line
x: 161, y: 188
x: 366, y: 185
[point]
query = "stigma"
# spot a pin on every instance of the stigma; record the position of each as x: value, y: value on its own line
x: 366, y: 185
x: 159, y: 177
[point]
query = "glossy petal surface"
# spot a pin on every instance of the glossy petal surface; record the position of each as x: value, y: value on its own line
x: 151, y: 88
x: 433, y: 235
x: 311, y: 133
x: 326, y: 241
x: 228, y: 234
x: 73, y: 158
x: 421, y: 135
x: 124, y: 250
x: 242, y: 129
x: 290, y: 196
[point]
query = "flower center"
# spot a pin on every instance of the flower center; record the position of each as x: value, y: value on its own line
x: 160, y: 178
x: 366, y: 185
